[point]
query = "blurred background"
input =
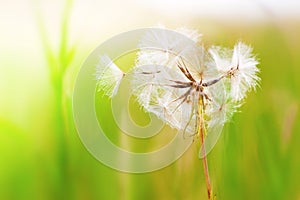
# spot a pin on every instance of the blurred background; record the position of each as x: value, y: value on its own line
x: 42, y: 46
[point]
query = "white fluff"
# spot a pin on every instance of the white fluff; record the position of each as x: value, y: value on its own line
x: 108, y: 76
x: 245, y: 78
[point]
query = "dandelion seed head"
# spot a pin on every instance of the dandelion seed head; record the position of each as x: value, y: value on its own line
x: 183, y: 83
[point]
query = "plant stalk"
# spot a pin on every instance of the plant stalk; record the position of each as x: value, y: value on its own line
x: 201, y: 132
x: 205, y: 168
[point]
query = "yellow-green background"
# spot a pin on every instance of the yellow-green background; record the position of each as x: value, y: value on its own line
x: 43, y: 44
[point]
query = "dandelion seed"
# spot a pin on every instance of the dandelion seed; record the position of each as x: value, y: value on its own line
x: 108, y: 76
x: 244, y: 78
x: 221, y: 58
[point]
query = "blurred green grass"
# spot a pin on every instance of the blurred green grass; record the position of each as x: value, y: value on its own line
x: 255, y: 158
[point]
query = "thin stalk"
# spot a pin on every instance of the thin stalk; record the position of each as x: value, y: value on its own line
x: 206, y: 172
x: 58, y: 62
x: 201, y: 133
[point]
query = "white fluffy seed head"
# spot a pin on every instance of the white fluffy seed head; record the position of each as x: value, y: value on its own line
x: 161, y: 86
x: 204, y: 65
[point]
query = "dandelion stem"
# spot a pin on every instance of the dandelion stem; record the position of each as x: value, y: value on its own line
x: 206, y: 172
x: 201, y: 132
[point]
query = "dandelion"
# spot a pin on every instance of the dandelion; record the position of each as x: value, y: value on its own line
x: 191, y: 88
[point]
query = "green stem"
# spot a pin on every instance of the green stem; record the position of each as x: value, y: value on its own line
x: 201, y: 132
x: 205, y: 167
x: 58, y: 62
